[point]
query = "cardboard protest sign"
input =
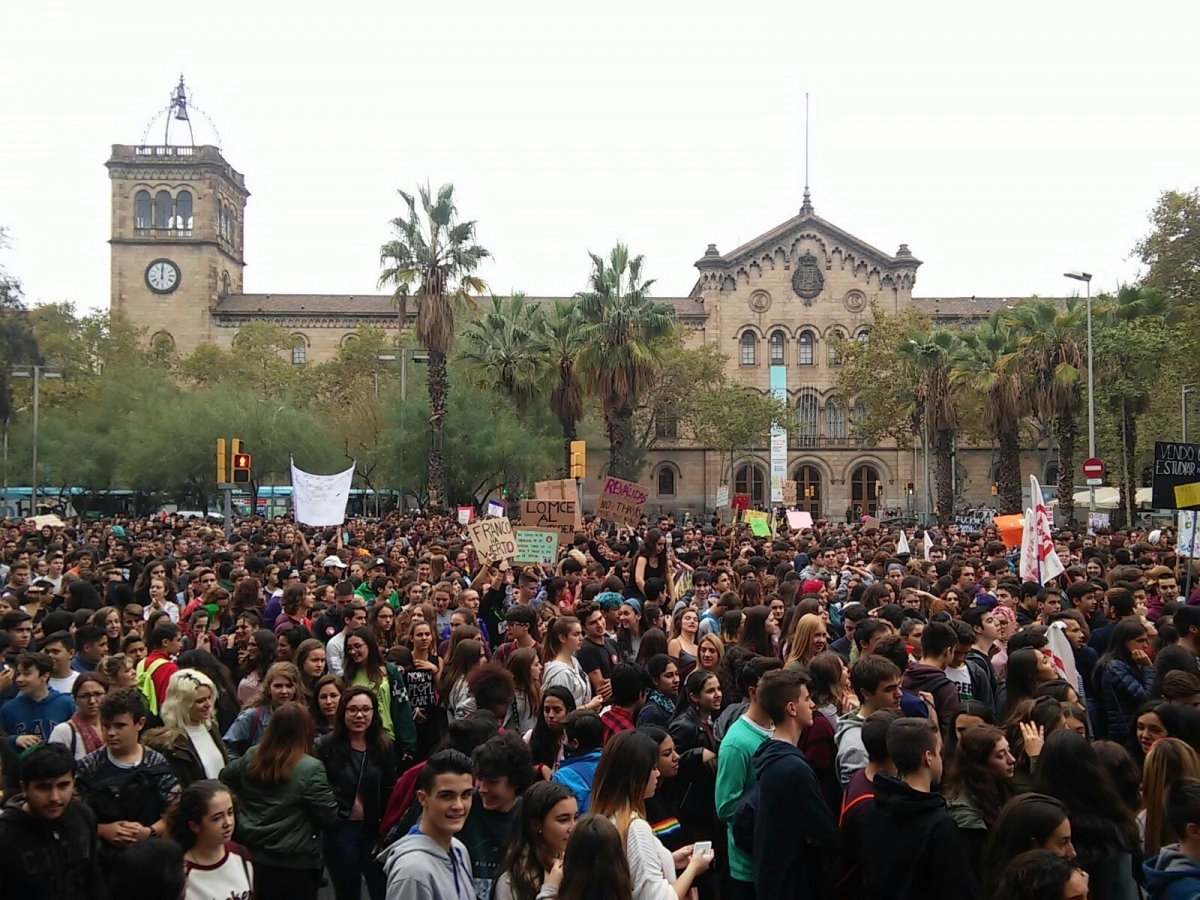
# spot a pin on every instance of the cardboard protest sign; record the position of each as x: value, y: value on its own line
x: 870, y: 522
x: 561, y: 489
x: 622, y: 501
x: 536, y: 545
x: 789, y: 492
x: 493, y: 538
x: 561, y: 515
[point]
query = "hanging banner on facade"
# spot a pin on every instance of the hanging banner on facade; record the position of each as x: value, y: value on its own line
x: 536, y: 545
x: 622, y: 501
x: 493, y: 538
x: 778, y: 437
x: 320, y: 500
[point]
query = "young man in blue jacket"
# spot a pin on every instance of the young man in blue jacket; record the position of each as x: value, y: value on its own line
x: 790, y: 865
x: 584, y: 732
x: 29, y: 717
x: 1175, y: 873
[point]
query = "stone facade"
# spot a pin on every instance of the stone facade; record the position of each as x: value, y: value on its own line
x: 776, y: 300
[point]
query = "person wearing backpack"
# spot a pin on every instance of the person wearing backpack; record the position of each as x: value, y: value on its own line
x: 938, y: 644
x: 155, y: 671
x: 129, y: 787
x: 787, y: 865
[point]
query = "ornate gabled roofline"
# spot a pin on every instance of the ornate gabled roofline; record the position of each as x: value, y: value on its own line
x: 714, y: 260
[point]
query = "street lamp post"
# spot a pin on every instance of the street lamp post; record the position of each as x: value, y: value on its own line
x: 1086, y: 278
x: 406, y: 353
x: 37, y: 373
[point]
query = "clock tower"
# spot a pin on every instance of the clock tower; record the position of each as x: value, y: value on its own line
x: 178, y: 210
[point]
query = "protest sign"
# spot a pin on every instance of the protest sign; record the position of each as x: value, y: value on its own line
x: 561, y: 515
x: 759, y: 522
x: 622, y: 501
x: 798, y: 519
x: 870, y: 522
x: 1098, y: 520
x: 536, y: 545
x: 741, y: 501
x: 975, y: 520
x: 495, y: 509
x: 465, y: 514
x: 320, y: 500
x: 789, y: 492
x: 1176, y: 482
x: 493, y: 538
x: 1186, y: 545
x: 722, y: 496
x: 562, y: 489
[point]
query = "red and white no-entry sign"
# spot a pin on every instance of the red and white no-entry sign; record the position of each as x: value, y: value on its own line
x: 1093, y: 467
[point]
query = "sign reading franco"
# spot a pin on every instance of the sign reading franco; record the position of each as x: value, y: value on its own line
x: 493, y: 538
x: 622, y: 501
x: 561, y: 515
x: 536, y: 545
x: 1176, y: 482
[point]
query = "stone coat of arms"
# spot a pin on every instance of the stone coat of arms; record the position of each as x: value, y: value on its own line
x: 808, y: 280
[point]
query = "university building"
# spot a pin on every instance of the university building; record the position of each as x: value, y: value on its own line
x: 773, y: 303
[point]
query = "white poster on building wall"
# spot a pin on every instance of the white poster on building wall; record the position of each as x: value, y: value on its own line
x: 320, y: 500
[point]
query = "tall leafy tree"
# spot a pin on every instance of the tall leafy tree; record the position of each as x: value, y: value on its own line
x: 1129, y: 346
x: 18, y: 345
x: 624, y: 336
x: 931, y: 355
x: 432, y: 260
x: 500, y: 349
x: 987, y: 365
x: 559, y: 348
x: 1052, y: 342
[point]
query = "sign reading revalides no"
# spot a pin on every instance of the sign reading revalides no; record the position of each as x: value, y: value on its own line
x: 1176, y: 476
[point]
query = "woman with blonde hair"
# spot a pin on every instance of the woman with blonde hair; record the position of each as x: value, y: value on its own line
x: 282, y: 684
x: 189, y: 738
x: 808, y: 638
x: 710, y: 651
x: 626, y: 776
x: 1168, y: 761
x: 119, y: 670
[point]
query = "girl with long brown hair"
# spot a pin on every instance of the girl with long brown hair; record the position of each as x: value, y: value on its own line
x: 286, y: 802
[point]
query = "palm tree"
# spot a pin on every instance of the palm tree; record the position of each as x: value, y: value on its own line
x: 931, y: 356
x: 434, y: 256
x: 1051, y: 339
x: 501, y: 349
x: 623, y: 339
x: 559, y: 348
x: 987, y: 365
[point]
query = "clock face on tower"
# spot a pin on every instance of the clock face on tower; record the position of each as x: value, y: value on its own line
x: 162, y: 276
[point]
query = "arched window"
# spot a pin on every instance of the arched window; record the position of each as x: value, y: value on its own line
x: 863, y: 336
x: 750, y: 480
x: 866, y: 490
x: 834, y: 337
x: 143, y: 213
x: 299, y: 350
x: 162, y: 343
x: 808, y: 490
x: 835, y: 420
x: 183, y: 210
x: 226, y: 284
x: 777, y: 345
x: 666, y: 482
x: 806, y: 420
x: 1052, y: 472
x: 749, y: 349
x: 807, y: 342
x: 858, y: 415
x: 164, y: 209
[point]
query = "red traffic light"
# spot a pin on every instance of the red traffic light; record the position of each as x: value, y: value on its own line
x: 241, y: 461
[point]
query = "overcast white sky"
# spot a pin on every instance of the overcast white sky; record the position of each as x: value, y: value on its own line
x: 1004, y: 142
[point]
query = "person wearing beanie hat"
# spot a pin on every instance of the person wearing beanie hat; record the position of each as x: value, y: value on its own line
x: 812, y: 586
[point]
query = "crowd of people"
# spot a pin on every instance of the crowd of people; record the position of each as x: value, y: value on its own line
x: 671, y: 710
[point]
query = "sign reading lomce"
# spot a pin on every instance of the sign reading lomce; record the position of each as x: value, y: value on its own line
x: 561, y: 515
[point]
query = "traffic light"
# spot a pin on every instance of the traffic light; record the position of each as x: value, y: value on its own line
x: 241, y: 463
x: 578, y: 459
x: 910, y: 489
x: 222, y: 462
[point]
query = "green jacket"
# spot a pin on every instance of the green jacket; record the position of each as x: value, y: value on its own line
x: 281, y: 824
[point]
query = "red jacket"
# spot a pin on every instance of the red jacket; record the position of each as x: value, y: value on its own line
x: 161, y: 675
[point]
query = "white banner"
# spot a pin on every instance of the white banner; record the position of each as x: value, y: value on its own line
x: 1187, y: 544
x: 320, y: 500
